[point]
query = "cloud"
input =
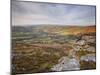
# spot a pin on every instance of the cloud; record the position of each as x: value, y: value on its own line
x: 32, y: 13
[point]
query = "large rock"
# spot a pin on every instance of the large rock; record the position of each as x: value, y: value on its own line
x: 81, y: 42
x: 88, y: 57
x: 91, y: 49
x: 65, y: 64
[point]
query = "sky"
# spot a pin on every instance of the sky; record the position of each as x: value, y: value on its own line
x: 37, y: 13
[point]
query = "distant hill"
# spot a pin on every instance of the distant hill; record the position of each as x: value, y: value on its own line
x: 55, y: 29
x: 68, y: 30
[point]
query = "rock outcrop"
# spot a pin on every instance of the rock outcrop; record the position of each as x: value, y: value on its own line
x: 66, y: 63
x: 88, y: 57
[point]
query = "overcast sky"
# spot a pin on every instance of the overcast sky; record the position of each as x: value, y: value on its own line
x: 32, y: 13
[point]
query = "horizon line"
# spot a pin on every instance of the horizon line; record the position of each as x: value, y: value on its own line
x: 53, y: 25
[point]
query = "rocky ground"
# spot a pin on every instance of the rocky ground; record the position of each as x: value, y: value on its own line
x: 77, y: 54
x: 83, y: 55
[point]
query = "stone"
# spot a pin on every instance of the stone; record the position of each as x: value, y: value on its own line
x: 86, y: 46
x: 77, y: 48
x: 91, y: 40
x: 91, y: 49
x: 72, y: 53
x: 65, y: 64
x: 81, y: 42
x: 88, y: 57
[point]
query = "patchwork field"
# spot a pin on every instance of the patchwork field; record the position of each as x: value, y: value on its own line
x: 49, y: 48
